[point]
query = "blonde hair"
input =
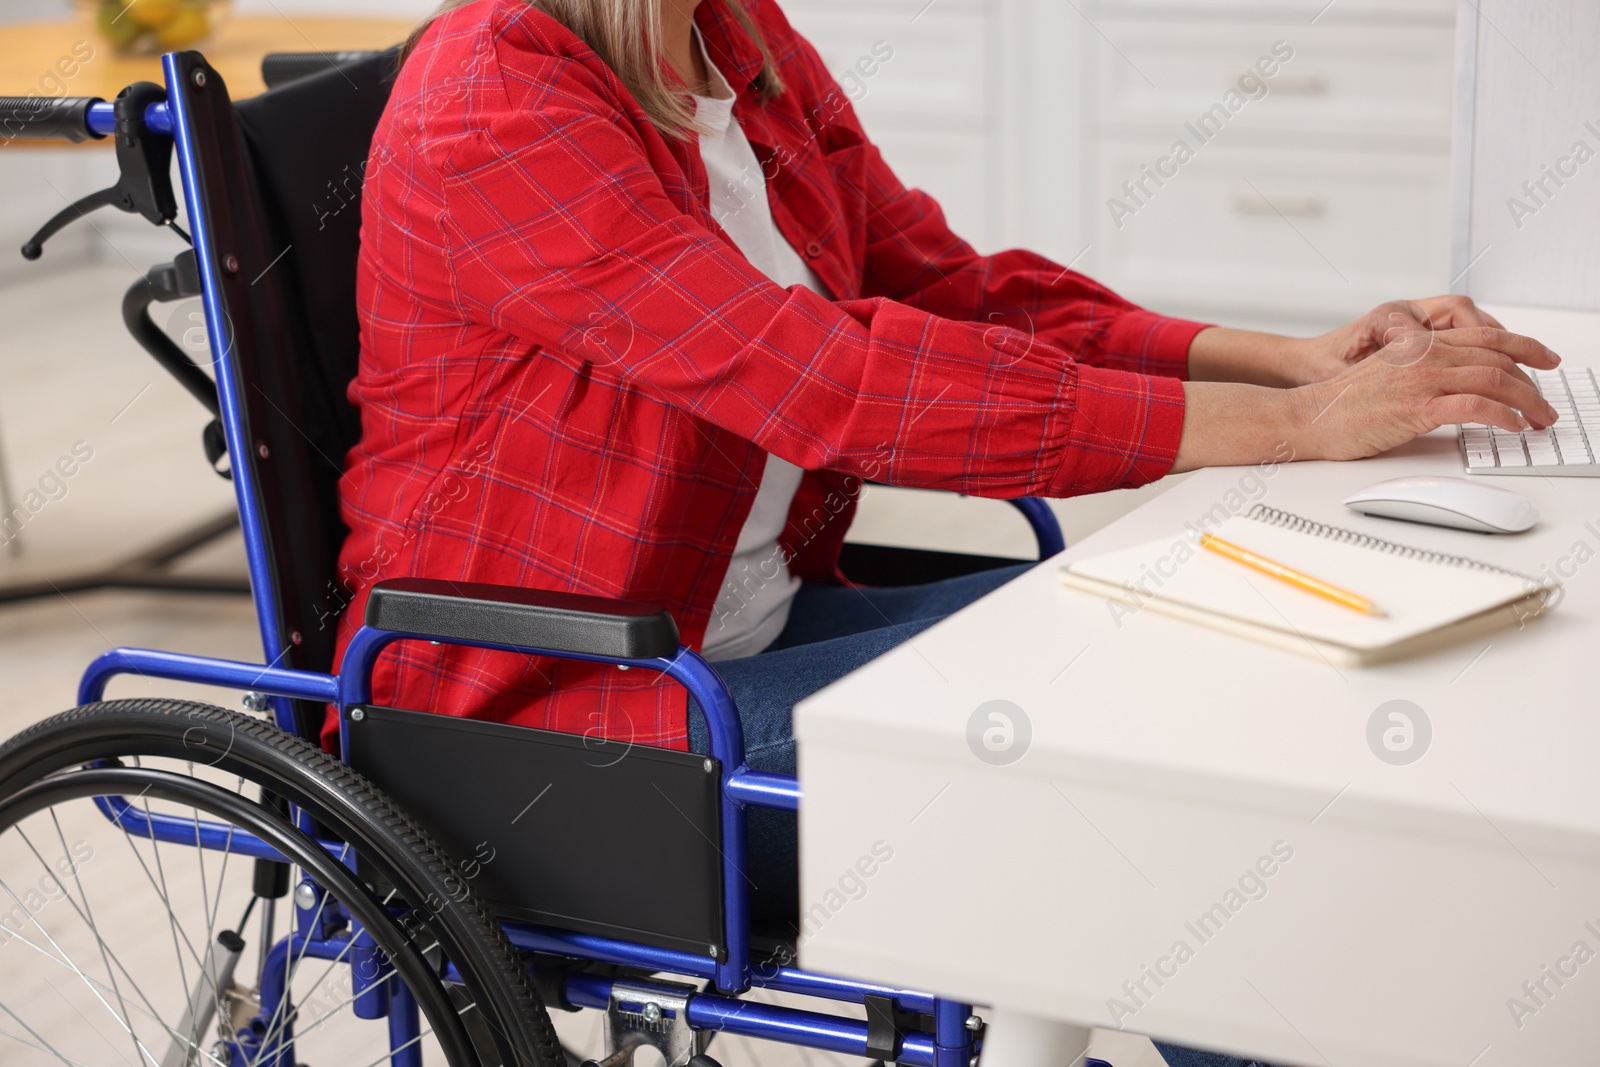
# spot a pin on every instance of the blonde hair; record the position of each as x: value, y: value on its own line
x: 626, y: 35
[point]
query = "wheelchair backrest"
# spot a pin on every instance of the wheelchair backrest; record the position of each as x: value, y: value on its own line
x: 285, y: 199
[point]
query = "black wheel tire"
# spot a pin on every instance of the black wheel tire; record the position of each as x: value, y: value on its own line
x: 341, y: 801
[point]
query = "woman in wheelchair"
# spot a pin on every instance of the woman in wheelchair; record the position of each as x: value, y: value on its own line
x: 643, y: 309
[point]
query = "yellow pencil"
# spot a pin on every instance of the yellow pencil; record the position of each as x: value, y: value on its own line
x: 1288, y: 574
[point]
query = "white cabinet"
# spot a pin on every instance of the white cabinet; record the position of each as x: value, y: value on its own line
x: 1307, y: 196
x: 1363, y: 81
x: 1318, y: 233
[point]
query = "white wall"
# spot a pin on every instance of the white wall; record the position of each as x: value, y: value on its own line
x: 1533, y: 102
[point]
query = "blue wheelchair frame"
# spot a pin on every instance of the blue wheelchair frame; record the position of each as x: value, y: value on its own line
x: 953, y: 1041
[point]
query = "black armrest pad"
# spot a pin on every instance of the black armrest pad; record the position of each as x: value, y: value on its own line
x: 534, y: 618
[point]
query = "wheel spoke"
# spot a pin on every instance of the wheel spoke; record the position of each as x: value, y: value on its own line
x: 336, y: 961
x: 66, y: 962
x: 97, y: 987
x: 107, y: 956
x: 172, y: 918
x: 212, y: 905
x: 128, y: 836
x: 401, y: 1048
x: 49, y: 991
x: 291, y: 963
x: 85, y: 915
x: 351, y: 999
x: 43, y: 1046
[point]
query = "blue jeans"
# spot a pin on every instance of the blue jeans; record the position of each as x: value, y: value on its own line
x: 832, y: 631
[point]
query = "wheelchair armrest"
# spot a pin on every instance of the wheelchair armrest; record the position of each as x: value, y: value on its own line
x: 534, y: 618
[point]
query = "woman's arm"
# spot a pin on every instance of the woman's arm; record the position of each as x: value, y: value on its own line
x: 560, y: 232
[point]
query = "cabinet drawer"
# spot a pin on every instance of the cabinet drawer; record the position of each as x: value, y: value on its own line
x: 937, y: 66
x: 1312, y: 232
x: 1389, y: 81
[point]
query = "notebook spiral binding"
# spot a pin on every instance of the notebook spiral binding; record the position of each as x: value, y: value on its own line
x: 1290, y: 521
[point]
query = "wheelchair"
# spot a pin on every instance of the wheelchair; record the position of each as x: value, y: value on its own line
x: 454, y: 881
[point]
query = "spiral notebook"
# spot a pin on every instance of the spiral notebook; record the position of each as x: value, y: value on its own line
x: 1431, y: 598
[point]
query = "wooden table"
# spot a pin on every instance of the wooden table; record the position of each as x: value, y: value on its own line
x: 37, y: 56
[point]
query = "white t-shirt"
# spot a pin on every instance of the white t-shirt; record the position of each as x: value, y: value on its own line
x: 753, y: 607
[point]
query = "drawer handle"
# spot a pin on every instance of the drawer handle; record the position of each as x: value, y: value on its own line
x: 1309, y: 206
x: 1284, y: 82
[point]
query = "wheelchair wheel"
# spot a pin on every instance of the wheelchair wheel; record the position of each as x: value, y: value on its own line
x: 140, y: 923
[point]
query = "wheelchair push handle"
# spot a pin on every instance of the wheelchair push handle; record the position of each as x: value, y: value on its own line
x: 48, y: 118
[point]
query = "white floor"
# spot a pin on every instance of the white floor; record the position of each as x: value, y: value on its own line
x: 71, y: 379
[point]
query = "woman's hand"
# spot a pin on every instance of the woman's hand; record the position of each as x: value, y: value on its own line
x: 1219, y: 354
x: 1319, y: 358
x: 1418, y: 380
x: 1423, y: 379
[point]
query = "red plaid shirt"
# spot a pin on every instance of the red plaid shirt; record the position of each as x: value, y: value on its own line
x: 570, y: 377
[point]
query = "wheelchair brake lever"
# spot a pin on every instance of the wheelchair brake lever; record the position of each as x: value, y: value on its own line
x: 93, y: 202
x: 145, y: 162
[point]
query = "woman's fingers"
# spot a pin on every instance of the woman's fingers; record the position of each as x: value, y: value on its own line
x: 1523, y: 349
x: 1451, y: 311
x: 1498, y: 385
x: 1453, y: 356
x: 1464, y: 407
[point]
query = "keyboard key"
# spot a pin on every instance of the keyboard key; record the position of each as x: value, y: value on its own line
x: 1476, y: 460
x: 1544, y: 459
x: 1513, y: 459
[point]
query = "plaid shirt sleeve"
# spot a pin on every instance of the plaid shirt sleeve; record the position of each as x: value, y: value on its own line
x: 913, y: 256
x: 555, y: 220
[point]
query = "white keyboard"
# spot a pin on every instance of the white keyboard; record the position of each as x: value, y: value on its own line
x: 1567, y: 448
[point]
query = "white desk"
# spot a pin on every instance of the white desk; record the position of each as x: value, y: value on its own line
x: 1167, y: 759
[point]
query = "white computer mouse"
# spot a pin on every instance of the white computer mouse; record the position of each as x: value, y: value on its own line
x: 1463, y: 503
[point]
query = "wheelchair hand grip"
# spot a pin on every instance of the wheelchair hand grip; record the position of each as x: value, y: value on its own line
x: 46, y: 118
x: 281, y: 68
